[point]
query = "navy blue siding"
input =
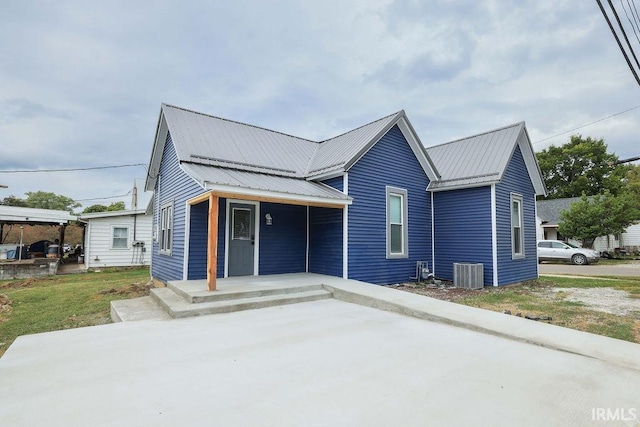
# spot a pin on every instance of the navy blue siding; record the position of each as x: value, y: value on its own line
x: 516, y: 180
x: 198, y: 239
x: 337, y: 183
x: 173, y: 185
x: 462, y: 228
x: 325, y: 241
x: 390, y: 162
x: 283, y: 245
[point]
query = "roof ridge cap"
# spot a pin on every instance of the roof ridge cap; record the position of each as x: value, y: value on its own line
x: 478, y: 134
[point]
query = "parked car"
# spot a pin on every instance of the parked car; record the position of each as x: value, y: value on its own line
x: 555, y: 250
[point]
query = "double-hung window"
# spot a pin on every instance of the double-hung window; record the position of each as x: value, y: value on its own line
x: 397, y: 233
x: 166, y: 228
x: 119, y: 237
x: 517, y: 233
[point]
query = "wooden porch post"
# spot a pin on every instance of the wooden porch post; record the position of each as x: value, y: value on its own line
x: 212, y: 242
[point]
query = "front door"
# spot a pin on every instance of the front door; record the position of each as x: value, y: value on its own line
x: 241, y: 239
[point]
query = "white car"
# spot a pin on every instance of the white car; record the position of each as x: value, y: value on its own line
x: 555, y: 250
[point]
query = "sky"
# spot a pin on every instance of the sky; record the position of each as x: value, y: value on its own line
x: 81, y: 83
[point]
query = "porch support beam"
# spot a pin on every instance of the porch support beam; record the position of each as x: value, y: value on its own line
x: 212, y: 242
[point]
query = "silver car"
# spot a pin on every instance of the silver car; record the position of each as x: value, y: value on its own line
x: 554, y: 250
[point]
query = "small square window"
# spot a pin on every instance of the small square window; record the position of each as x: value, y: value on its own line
x: 120, y: 238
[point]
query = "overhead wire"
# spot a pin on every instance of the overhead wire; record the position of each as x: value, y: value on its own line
x: 588, y: 124
x: 615, y: 35
x: 73, y: 169
x: 634, y: 23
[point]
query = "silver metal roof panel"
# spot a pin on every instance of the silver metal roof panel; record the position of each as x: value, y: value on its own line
x: 209, y: 176
x: 476, y: 160
x: 231, y: 144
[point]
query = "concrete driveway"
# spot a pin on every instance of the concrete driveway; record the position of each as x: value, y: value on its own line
x: 631, y: 269
x: 324, y: 363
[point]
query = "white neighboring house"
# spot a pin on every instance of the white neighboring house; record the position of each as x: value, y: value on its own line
x: 117, y: 239
x: 548, y: 218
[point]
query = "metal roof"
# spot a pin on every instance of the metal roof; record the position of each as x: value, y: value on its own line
x: 476, y: 160
x: 277, y: 186
x: 219, y: 142
x: 335, y: 153
x: 13, y: 214
x: 482, y: 159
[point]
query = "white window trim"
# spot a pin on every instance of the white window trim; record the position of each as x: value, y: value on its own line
x: 394, y: 191
x: 161, y: 240
x: 113, y: 227
x: 516, y: 197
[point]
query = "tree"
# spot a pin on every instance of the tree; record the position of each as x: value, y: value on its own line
x: 115, y: 206
x: 95, y: 208
x: 582, y: 165
x: 46, y: 200
x: 14, y: 201
x: 599, y: 216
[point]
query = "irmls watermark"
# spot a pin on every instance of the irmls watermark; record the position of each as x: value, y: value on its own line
x: 614, y: 414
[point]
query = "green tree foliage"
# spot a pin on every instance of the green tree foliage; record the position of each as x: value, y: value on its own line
x: 42, y: 200
x: 46, y: 200
x: 581, y: 166
x: 115, y: 206
x: 599, y: 216
x: 633, y: 180
x: 14, y: 201
x: 95, y: 208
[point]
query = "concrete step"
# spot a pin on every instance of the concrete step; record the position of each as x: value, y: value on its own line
x: 143, y: 308
x: 178, y: 307
x: 197, y: 297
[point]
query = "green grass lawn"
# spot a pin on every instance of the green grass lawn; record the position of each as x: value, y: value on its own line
x: 63, y: 302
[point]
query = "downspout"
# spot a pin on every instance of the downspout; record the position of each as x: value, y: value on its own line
x: 433, y: 238
x: 494, y: 236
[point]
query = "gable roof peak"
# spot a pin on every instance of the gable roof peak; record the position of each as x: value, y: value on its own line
x: 398, y: 113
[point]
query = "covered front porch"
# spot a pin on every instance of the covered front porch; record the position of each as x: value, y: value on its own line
x: 252, y: 233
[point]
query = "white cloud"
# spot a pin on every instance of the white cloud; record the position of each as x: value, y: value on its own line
x: 81, y: 82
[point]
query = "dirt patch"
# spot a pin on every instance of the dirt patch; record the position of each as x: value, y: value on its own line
x: 25, y: 283
x: 5, y: 305
x: 133, y: 290
x: 607, y: 300
x: 445, y: 291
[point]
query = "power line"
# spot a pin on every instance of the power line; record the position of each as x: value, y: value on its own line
x: 73, y: 169
x: 588, y: 124
x: 615, y: 35
x: 103, y: 198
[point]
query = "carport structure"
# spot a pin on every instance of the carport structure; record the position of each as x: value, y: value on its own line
x: 12, y: 215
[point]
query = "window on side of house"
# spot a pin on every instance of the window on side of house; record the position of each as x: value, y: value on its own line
x: 166, y: 229
x: 119, y: 237
x: 517, y: 232
x: 397, y: 223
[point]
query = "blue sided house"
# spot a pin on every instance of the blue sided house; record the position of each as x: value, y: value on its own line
x: 231, y: 199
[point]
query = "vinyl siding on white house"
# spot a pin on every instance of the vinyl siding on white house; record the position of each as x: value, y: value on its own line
x: 99, y: 251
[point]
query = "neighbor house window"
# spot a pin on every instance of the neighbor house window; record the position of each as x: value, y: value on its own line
x: 120, y: 237
x: 166, y: 228
x: 397, y: 234
x: 517, y: 233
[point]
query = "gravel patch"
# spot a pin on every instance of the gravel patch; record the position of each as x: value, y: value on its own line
x: 607, y: 300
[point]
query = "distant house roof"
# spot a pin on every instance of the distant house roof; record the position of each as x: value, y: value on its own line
x: 228, y: 155
x: 111, y: 214
x: 482, y: 159
x: 16, y: 215
x: 549, y: 210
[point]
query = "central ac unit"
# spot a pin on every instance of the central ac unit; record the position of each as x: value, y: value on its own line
x: 468, y: 276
